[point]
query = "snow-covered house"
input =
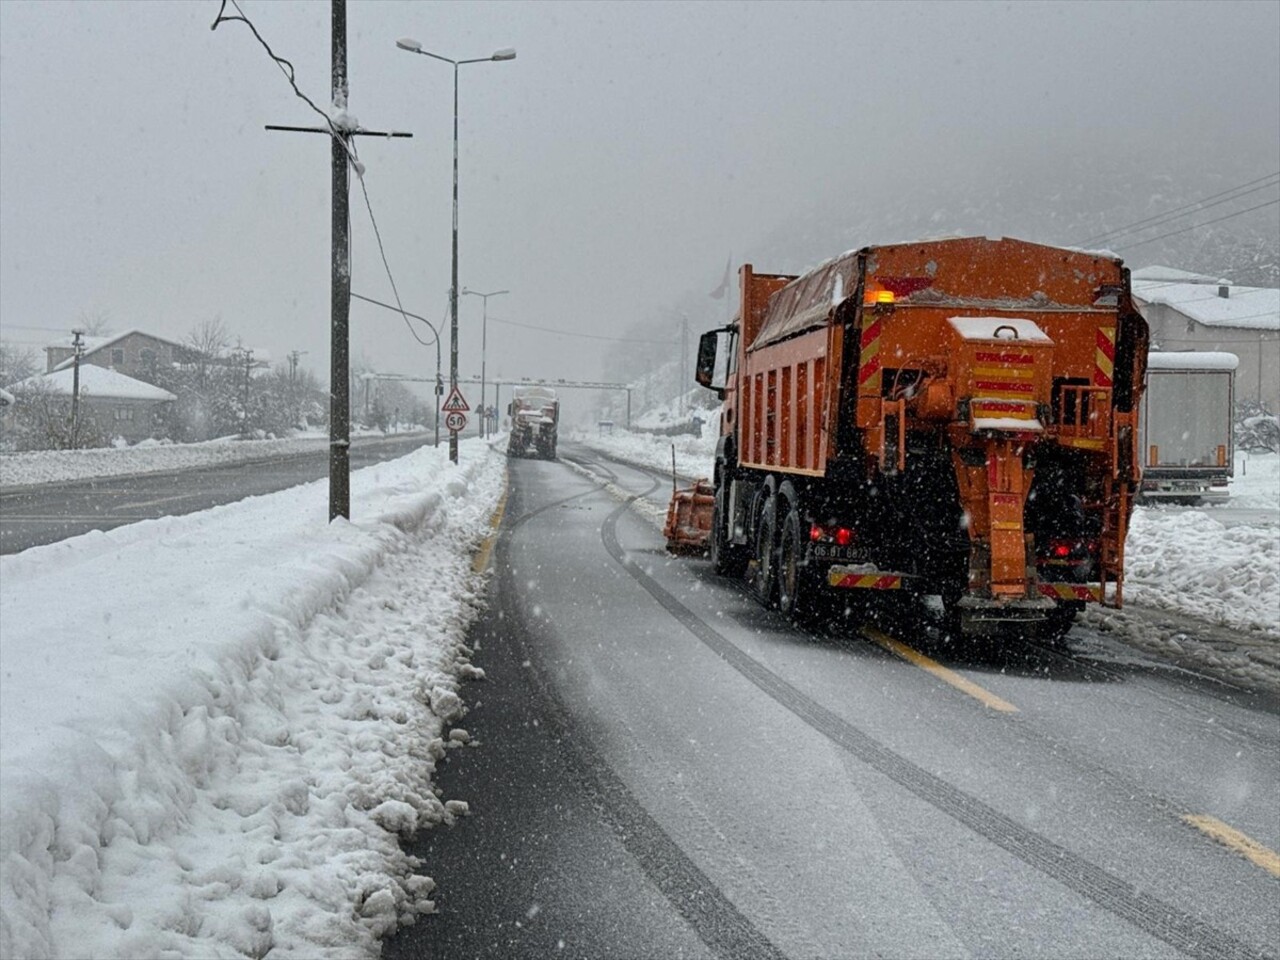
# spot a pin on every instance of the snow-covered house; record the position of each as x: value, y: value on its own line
x: 1191, y: 311
x: 120, y: 406
x: 132, y: 353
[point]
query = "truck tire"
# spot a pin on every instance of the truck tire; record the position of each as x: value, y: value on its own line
x: 764, y: 577
x: 798, y: 593
x: 727, y: 559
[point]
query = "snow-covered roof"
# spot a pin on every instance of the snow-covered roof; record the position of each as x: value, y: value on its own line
x: 1191, y: 360
x: 90, y: 343
x: 94, y: 344
x: 1250, y: 308
x: 1170, y: 274
x: 95, y: 381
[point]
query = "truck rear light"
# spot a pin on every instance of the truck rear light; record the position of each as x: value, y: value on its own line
x: 841, y: 536
x: 1070, y: 549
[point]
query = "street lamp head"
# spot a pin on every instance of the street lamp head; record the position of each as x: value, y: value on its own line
x: 408, y: 43
x: 506, y: 53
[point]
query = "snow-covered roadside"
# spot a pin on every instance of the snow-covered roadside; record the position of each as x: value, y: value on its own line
x: 214, y: 726
x: 695, y: 456
x: 53, y: 466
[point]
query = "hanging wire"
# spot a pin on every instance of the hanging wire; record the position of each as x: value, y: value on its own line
x: 1197, y: 226
x: 1184, y: 210
x: 377, y: 234
x: 288, y: 70
x: 570, y: 333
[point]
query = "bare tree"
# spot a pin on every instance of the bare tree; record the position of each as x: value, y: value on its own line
x: 95, y: 325
x: 16, y: 363
x: 44, y: 421
x: 208, y: 339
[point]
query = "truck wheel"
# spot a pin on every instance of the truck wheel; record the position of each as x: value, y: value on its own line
x: 764, y: 579
x: 798, y: 595
x: 727, y: 559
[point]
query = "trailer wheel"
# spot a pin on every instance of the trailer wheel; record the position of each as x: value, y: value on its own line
x: 797, y: 593
x: 727, y: 559
x: 764, y: 576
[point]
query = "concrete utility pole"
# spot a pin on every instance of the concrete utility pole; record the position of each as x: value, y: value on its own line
x: 77, y: 346
x: 684, y: 357
x: 247, y: 355
x: 340, y: 278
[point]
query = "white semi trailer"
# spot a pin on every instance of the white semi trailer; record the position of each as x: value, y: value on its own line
x: 1186, y: 426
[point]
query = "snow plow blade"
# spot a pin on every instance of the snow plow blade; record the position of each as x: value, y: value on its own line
x: 688, y: 526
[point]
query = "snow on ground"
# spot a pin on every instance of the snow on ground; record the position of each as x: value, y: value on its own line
x: 214, y: 726
x: 1198, y: 562
x: 695, y: 456
x: 149, y: 456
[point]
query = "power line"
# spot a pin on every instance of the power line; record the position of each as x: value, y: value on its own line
x: 1175, y: 213
x: 1197, y: 226
x: 377, y: 234
x: 586, y: 336
x: 288, y: 70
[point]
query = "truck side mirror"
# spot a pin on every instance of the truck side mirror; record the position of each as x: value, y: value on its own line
x: 510, y: 409
x: 704, y: 373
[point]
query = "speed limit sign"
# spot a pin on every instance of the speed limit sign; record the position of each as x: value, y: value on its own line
x: 456, y: 421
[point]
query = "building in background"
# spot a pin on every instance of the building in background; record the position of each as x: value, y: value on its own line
x: 132, y: 353
x: 1191, y: 311
x: 117, y: 405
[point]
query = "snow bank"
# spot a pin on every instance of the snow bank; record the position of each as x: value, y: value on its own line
x: 695, y: 456
x: 1190, y: 562
x: 214, y: 726
x: 53, y: 466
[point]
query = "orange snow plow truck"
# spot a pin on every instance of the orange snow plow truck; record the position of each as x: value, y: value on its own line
x: 955, y: 418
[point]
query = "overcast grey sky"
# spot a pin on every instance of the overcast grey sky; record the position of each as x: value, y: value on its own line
x: 605, y: 173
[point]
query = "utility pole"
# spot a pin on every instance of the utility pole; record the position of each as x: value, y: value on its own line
x: 245, y: 355
x: 340, y: 279
x: 684, y: 358
x: 77, y: 347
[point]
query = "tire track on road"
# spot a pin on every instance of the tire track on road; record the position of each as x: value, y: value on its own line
x: 1114, y: 894
x: 720, y: 925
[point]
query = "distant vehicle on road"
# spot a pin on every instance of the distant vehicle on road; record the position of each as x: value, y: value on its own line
x: 1185, y: 431
x: 535, y: 423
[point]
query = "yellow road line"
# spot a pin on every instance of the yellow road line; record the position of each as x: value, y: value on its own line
x: 938, y: 670
x: 1244, y: 845
x: 481, y: 559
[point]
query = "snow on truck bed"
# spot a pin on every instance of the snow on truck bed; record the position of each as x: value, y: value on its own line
x: 214, y: 725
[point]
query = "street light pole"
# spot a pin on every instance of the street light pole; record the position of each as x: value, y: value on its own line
x: 484, y: 347
x: 413, y: 46
x: 435, y: 339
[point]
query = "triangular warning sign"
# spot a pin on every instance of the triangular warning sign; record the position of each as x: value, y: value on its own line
x: 455, y: 403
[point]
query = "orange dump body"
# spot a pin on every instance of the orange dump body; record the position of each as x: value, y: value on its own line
x: 983, y: 359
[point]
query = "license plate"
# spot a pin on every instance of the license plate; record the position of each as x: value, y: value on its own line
x: 830, y: 551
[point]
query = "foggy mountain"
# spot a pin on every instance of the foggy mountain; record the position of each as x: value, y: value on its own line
x: 1052, y: 198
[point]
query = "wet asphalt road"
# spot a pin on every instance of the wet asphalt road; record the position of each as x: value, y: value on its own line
x: 666, y: 769
x: 31, y: 516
